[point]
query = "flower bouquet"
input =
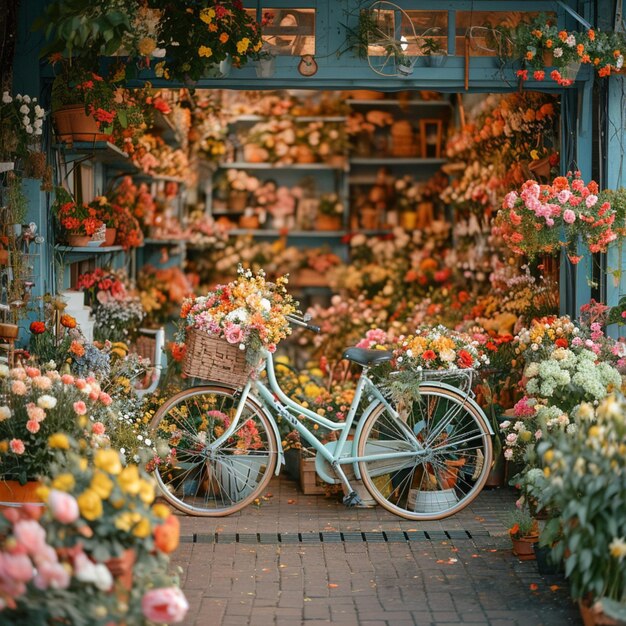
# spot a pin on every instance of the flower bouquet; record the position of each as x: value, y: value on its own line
x: 532, y: 221
x: 21, y: 122
x: 248, y: 313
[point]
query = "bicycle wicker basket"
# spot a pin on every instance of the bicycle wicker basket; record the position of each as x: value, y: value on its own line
x: 210, y: 358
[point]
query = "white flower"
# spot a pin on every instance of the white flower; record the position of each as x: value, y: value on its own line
x: 29, y: 129
x: 242, y: 346
x: 24, y: 109
x: 26, y: 98
x: 6, y: 97
x: 571, y: 41
x: 4, y: 370
x: 96, y: 573
x: 158, y: 53
x: 5, y: 413
x: 618, y: 548
x: 38, y: 123
x: 558, y: 53
x: 26, y: 120
x: 46, y: 402
x: 266, y: 305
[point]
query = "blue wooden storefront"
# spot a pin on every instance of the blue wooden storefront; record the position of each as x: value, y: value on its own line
x: 583, y: 122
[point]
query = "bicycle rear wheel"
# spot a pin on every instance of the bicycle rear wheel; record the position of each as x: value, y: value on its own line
x: 447, y: 454
x: 201, y: 478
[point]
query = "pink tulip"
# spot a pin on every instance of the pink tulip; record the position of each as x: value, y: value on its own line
x: 63, y: 506
x: 165, y: 605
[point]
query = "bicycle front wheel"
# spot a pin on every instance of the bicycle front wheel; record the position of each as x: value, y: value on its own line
x: 199, y: 477
x: 446, y: 451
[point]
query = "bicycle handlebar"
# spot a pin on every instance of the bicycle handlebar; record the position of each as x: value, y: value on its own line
x: 303, y: 324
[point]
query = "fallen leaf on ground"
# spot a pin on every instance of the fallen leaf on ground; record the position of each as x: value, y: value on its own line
x: 534, y: 586
x: 554, y: 587
x: 332, y: 585
x: 291, y: 501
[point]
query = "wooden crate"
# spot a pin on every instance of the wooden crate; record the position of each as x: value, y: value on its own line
x: 310, y: 483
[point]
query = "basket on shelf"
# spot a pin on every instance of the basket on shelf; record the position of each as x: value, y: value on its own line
x: 210, y: 358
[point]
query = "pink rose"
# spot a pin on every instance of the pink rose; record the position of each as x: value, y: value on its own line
x: 35, y: 413
x: 31, y: 372
x: 80, y: 407
x: 569, y: 217
x: 591, y: 200
x: 63, y: 506
x: 42, y: 382
x: 97, y: 428
x: 67, y: 379
x: 18, y: 388
x: 233, y: 334
x: 166, y: 604
x: 32, y: 426
x: 30, y: 535
x: 80, y: 383
x: 564, y: 196
x: 17, y: 446
x: 16, y: 567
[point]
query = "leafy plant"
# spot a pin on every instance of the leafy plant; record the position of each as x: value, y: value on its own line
x: 431, y: 46
x: 521, y: 523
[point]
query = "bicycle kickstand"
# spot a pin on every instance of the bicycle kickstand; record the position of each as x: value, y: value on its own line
x: 353, y: 498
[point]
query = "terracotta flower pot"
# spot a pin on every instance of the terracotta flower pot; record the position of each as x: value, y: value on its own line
x: 121, y: 568
x: 592, y: 615
x: 449, y: 475
x: 4, y: 256
x: 249, y: 221
x: 78, y: 241
x: 548, y: 58
x: 12, y: 492
x: 73, y: 124
x: 523, y: 547
x: 109, y: 237
x: 327, y: 222
x: 237, y: 200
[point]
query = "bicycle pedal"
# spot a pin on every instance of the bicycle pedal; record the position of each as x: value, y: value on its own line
x: 352, y: 499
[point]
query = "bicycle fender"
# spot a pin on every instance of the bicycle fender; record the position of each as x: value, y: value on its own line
x: 359, y: 427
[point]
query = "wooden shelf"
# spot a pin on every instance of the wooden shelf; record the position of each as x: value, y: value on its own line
x: 269, y: 232
x: 396, y: 161
x: 243, y: 165
x: 158, y: 177
x: 294, y: 118
x: 152, y: 241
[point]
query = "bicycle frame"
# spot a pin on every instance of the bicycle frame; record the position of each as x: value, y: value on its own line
x: 274, y: 397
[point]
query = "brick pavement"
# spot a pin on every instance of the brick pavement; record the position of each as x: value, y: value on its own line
x: 309, y: 560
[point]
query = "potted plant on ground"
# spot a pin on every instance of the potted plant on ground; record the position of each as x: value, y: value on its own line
x: 524, y: 533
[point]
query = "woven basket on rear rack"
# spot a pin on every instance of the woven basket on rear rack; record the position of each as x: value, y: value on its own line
x: 214, y: 359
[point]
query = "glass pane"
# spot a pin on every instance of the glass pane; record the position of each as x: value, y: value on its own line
x: 426, y: 31
x: 482, y: 26
x: 289, y: 32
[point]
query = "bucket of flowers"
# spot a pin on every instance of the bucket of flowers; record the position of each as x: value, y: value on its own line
x: 543, y: 219
x: 225, y: 330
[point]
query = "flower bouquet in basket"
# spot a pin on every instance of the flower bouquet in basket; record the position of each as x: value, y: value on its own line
x: 226, y: 329
x: 541, y: 219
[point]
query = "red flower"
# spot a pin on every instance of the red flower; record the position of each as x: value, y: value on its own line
x: 561, y: 342
x: 539, y: 75
x: 465, y: 359
x: 37, y: 328
x: 429, y: 355
x: 523, y: 74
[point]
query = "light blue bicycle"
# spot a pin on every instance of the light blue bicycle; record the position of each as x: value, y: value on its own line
x: 425, y: 461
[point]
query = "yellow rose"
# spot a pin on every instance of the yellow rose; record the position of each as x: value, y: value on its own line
x: 146, y: 491
x: 146, y: 46
x: 90, y: 505
x: 243, y: 45
x: 204, y: 51
x: 64, y: 482
x: 142, y: 529
x: 207, y: 15
x: 124, y: 521
x: 59, y: 440
x: 43, y: 492
x: 161, y: 510
x: 101, y: 484
x: 108, y: 460
x: 129, y: 480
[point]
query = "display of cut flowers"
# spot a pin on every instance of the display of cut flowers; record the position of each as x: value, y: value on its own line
x: 249, y: 312
x: 542, y: 219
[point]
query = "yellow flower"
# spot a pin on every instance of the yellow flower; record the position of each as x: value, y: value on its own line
x: 205, y: 51
x: 146, y: 491
x: 108, y: 460
x: 146, y: 46
x: 124, y: 521
x: 243, y: 45
x: 43, y: 492
x: 207, y: 15
x: 618, y: 548
x: 101, y: 484
x: 59, y: 440
x: 90, y: 505
x: 142, y: 529
x: 161, y: 510
x: 4, y: 446
x: 129, y: 480
x: 64, y: 482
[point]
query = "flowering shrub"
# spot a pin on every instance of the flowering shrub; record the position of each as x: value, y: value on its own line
x: 197, y: 37
x: 586, y: 473
x: 531, y: 222
x: 330, y: 204
x: 249, y: 312
x: 59, y: 560
x: 36, y: 404
x: 21, y: 121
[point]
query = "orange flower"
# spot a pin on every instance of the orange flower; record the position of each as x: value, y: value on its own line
x: 580, y: 49
x: 224, y: 37
x: 563, y: 35
x: 178, y: 351
x: 68, y: 321
x: 77, y: 349
x: 548, y: 43
x: 514, y: 529
x: 428, y: 355
x: 591, y: 34
x: 529, y: 56
x: 604, y: 71
x: 37, y: 328
x: 166, y: 535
